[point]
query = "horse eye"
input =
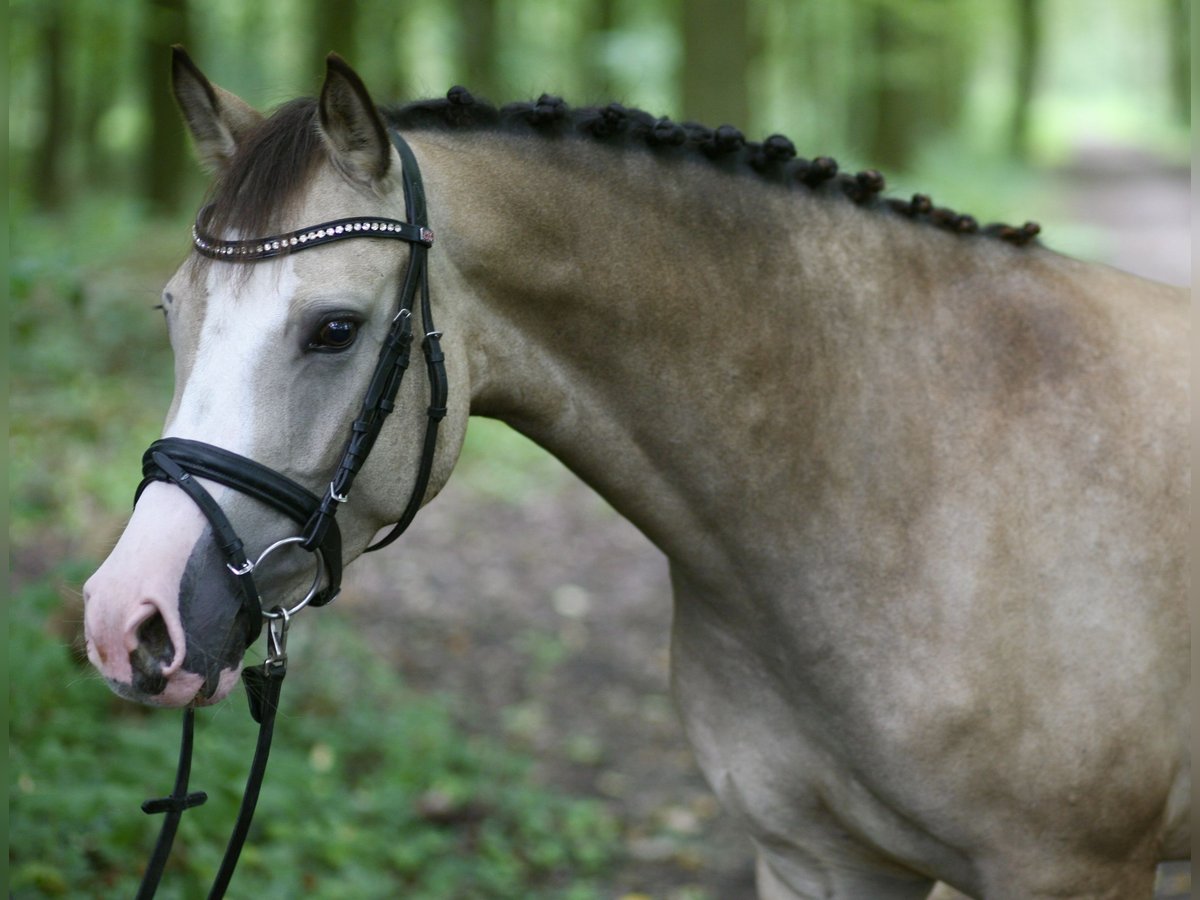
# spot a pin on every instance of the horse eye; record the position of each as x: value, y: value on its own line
x: 335, y: 334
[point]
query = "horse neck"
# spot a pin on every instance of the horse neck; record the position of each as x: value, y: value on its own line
x: 651, y: 325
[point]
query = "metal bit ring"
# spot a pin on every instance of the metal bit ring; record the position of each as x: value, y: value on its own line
x: 280, y: 612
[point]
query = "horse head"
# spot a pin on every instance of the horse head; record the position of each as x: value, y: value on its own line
x: 274, y: 354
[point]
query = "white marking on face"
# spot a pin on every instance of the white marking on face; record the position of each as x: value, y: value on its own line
x: 240, y: 337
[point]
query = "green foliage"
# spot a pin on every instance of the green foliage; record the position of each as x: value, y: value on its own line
x: 826, y: 74
x: 372, y: 791
x: 90, y: 364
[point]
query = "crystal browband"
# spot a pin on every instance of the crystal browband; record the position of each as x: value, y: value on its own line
x: 279, y: 244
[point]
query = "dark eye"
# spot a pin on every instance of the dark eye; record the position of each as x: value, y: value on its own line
x: 334, y: 335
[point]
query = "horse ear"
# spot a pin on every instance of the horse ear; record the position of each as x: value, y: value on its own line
x: 351, y: 125
x: 217, y: 119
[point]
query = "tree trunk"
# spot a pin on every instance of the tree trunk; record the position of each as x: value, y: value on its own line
x: 716, y: 52
x: 895, y: 96
x: 599, y: 77
x: 335, y: 29
x: 1179, y: 29
x: 1029, y: 44
x: 166, y: 161
x: 478, y: 49
x: 48, y: 174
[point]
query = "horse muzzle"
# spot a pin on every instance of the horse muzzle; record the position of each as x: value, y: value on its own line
x: 168, y: 616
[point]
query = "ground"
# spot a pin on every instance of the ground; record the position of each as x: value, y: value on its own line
x: 552, y: 629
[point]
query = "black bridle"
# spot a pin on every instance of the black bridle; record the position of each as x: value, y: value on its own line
x: 182, y: 462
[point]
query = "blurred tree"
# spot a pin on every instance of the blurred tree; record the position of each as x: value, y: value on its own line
x: 1029, y: 48
x: 892, y: 93
x: 478, y: 47
x: 1179, y: 30
x: 166, y: 161
x: 335, y: 28
x: 872, y: 80
x: 910, y: 70
x: 101, y: 58
x: 716, y: 54
x: 598, y: 74
x: 48, y: 163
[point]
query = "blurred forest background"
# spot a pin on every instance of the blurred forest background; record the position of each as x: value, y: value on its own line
x: 1073, y: 113
x: 891, y: 83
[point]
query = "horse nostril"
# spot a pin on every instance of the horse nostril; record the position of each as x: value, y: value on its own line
x: 153, y: 638
x: 153, y: 653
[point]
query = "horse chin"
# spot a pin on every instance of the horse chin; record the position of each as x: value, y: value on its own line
x: 225, y: 683
x: 182, y: 689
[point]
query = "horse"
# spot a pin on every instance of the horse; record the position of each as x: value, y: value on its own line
x: 922, y: 484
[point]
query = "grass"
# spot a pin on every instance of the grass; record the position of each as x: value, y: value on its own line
x: 372, y: 792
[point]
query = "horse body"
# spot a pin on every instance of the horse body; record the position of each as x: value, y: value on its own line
x: 924, y: 497
x: 963, y: 577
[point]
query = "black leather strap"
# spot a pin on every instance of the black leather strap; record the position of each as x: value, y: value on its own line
x: 435, y: 361
x: 263, y: 684
x: 253, y: 479
x: 227, y: 539
x: 174, y: 807
x: 389, y: 374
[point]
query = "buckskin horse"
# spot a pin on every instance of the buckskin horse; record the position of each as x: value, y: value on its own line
x: 922, y: 484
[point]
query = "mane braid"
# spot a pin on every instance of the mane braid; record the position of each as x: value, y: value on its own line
x: 773, y: 159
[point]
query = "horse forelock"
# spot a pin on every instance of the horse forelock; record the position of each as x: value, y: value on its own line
x: 267, y: 176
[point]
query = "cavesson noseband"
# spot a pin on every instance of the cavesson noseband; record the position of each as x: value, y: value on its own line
x: 182, y: 462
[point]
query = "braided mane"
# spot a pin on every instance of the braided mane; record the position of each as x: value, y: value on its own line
x: 774, y: 158
x: 275, y: 159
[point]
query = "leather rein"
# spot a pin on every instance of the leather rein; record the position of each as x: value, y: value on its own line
x: 181, y: 462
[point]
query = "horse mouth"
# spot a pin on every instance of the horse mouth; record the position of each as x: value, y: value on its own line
x: 184, y: 688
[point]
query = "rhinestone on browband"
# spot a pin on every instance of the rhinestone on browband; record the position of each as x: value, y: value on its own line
x: 279, y: 244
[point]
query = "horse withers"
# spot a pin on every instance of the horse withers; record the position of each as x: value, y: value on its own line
x: 923, y: 484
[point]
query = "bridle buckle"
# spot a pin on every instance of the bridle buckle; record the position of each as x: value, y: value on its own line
x: 245, y: 569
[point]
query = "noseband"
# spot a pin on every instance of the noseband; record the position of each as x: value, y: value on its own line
x: 182, y: 462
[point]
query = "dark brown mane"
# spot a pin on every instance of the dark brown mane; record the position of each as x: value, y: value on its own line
x: 274, y: 162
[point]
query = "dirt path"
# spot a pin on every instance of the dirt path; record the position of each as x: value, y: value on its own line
x: 547, y: 619
x: 1138, y: 209
x: 549, y: 625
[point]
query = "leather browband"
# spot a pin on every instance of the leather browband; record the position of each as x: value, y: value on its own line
x: 255, y: 249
